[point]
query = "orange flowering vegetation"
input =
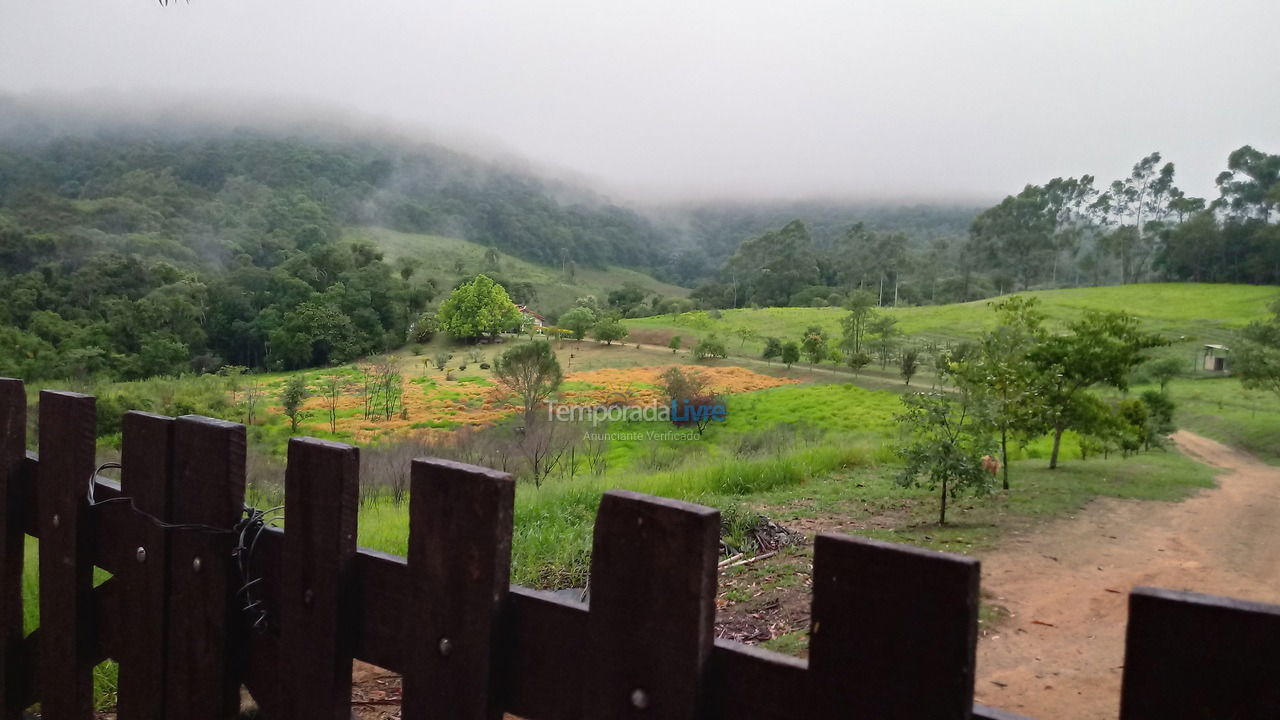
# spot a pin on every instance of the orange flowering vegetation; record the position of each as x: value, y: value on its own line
x: 642, y: 385
x: 434, y: 405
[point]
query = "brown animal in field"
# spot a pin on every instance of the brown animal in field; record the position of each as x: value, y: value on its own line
x: 991, y: 464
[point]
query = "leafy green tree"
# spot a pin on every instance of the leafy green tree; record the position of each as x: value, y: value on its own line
x: 814, y: 344
x: 790, y: 353
x: 476, y: 308
x: 884, y: 334
x: 424, y: 328
x: 1164, y: 369
x: 609, y: 330
x: 295, y: 393
x: 674, y: 344
x: 947, y: 447
x: 908, y: 364
x: 854, y: 325
x: 1098, y: 349
x: 999, y: 372
x: 770, y: 268
x: 772, y: 349
x: 531, y: 371
x: 578, y: 321
x: 744, y: 334
x: 1257, y: 354
x: 710, y: 346
x: 857, y: 361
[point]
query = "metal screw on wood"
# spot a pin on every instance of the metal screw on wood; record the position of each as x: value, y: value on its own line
x: 639, y: 699
x: 446, y: 646
x: 141, y: 554
x: 195, y: 564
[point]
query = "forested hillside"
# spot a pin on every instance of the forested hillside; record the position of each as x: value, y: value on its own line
x: 141, y: 253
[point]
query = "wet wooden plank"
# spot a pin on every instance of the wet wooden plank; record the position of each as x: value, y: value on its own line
x: 142, y: 562
x: 894, y: 630
x: 321, y: 496
x: 460, y: 523
x: 749, y: 683
x: 543, y: 655
x: 13, y: 450
x: 1200, y: 657
x: 67, y: 451
x: 202, y: 682
x: 650, y: 628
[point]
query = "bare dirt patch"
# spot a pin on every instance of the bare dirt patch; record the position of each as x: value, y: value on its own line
x: 1065, y: 584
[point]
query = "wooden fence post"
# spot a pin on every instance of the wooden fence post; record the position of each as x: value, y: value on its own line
x: 650, y: 629
x: 202, y: 682
x: 68, y: 445
x: 322, y: 486
x: 1199, y: 657
x: 13, y: 446
x: 894, y: 630
x: 460, y: 522
x: 146, y: 477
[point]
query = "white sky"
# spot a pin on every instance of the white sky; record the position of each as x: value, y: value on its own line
x: 674, y: 100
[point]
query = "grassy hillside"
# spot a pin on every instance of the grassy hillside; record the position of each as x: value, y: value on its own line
x: 440, y: 257
x: 1190, y: 313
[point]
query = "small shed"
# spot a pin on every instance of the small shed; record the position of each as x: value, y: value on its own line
x: 1215, y: 358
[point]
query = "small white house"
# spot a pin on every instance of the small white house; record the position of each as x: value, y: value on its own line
x: 539, y: 322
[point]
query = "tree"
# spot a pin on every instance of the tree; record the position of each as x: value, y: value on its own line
x: 908, y: 364
x: 690, y: 399
x: 424, y: 328
x: 332, y: 387
x: 884, y: 332
x: 854, y: 325
x: 609, y: 329
x: 947, y: 448
x: 477, y: 308
x: 772, y: 349
x: 1165, y: 369
x: 857, y: 361
x: 710, y: 346
x: 790, y: 353
x: 578, y: 321
x: 295, y: 393
x: 744, y: 334
x: 998, y: 371
x: 1257, y: 354
x: 531, y: 371
x: 674, y: 344
x: 1098, y: 349
x: 814, y: 344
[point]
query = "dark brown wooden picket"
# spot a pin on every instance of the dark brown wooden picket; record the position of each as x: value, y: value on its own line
x: 893, y: 633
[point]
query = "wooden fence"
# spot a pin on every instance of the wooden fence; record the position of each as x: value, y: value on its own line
x: 893, y: 631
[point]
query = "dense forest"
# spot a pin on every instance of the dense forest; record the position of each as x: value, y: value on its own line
x: 1067, y: 232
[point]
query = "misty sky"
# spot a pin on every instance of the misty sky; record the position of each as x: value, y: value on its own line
x: 660, y: 100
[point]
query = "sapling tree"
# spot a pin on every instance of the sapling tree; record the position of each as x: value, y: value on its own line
x: 998, y: 371
x: 790, y: 353
x: 295, y: 393
x: 947, y: 448
x: 1257, y: 357
x: 772, y: 349
x: 814, y: 345
x: 908, y: 364
x: 674, y: 344
x: 531, y: 371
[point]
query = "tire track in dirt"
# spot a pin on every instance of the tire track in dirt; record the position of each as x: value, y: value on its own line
x: 1074, y: 574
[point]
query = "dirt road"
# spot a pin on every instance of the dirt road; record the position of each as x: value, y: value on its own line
x: 1224, y: 541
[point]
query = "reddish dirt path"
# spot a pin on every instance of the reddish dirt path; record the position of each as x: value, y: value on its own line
x: 1224, y: 541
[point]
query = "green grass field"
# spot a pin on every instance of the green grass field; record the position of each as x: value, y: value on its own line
x: 1220, y: 408
x: 440, y: 257
x: 1188, y: 313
